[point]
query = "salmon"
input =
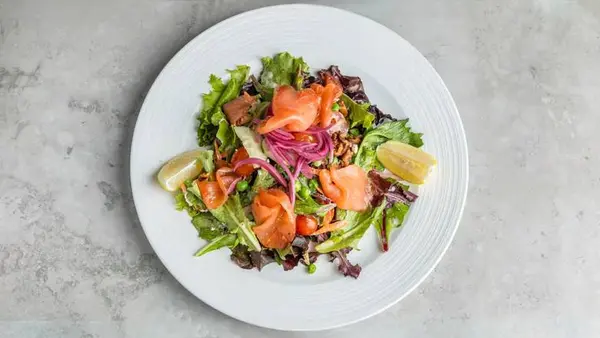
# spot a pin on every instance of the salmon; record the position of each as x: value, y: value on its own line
x: 241, y: 154
x: 346, y: 187
x: 214, y: 194
x: 292, y: 110
x: 238, y: 109
x: 275, y: 219
x: 329, y: 94
x: 225, y: 178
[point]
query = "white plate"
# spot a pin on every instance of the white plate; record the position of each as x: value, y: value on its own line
x: 397, y: 78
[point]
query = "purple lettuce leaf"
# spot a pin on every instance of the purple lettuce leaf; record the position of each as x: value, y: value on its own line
x: 345, y: 267
x: 354, y: 88
x: 303, y: 251
x: 309, y: 79
x: 290, y: 262
x: 249, y: 88
x: 384, y: 188
x: 262, y: 258
x: 397, y: 199
x: 241, y: 257
x: 246, y: 259
x: 380, y: 116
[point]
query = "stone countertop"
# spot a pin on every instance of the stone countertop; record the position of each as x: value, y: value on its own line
x: 525, y: 262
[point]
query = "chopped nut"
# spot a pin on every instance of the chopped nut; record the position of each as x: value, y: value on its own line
x: 347, y: 157
x: 345, y: 147
x: 340, y: 148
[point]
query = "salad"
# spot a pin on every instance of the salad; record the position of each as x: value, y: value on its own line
x: 292, y: 166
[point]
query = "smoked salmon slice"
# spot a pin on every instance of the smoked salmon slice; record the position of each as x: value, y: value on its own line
x: 347, y: 187
x: 275, y: 219
x: 292, y: 110
x: 329, y: 94
x: 214, y: 194
x: 226, y: 177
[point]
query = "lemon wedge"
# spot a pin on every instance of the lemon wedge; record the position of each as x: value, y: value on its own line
x: 410, y: 163
x: 180, y: 168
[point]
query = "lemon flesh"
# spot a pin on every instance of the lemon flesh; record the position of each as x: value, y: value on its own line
x: 409, y: 163
x: 180, y: 168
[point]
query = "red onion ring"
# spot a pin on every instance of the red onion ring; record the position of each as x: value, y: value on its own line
x: 232, y: 186
x: 265, y: 165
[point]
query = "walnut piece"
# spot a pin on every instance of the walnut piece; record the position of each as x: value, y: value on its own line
x: 346, y: 158
x: 344, y: 147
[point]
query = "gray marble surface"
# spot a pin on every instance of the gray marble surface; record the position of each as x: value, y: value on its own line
x: 525, y: 263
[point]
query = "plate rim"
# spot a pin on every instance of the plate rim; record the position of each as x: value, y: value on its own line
x: 463, y: 144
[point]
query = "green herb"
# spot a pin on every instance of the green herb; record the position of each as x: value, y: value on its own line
x: 312, y: 268
x: 241, y: 186
x: 227, y: 240
x: 354, y: 132
x: 396, y: 130
x: 335, y: 106
x: 359, y: 114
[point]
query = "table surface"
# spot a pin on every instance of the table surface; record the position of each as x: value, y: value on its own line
x: 525, y: 262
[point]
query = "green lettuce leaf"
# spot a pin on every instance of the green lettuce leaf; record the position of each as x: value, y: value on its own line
x: 283, y: 69
x: 394, y: 130
x: 207, y: 160
x: 359, y: 114
x: 263, y: 180
x: 208, y: 226
x: 264, y: 91
x: 210, y: 99
x: 393, y: 219
x: 232, y: 215
x: 190, y: 201
x: 251, y: 142
x: 258, y: 110
x: 181, y: 204
x: 211, y: 116
x: 349, y: 236
x: 227, y: 240
x: 226, y: 135
x: 307, y: 205
x: 206, y: 129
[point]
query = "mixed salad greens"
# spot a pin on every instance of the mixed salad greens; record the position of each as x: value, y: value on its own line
x: 292, y: 166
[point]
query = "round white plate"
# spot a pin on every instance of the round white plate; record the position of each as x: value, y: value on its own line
x: 397, y: 78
